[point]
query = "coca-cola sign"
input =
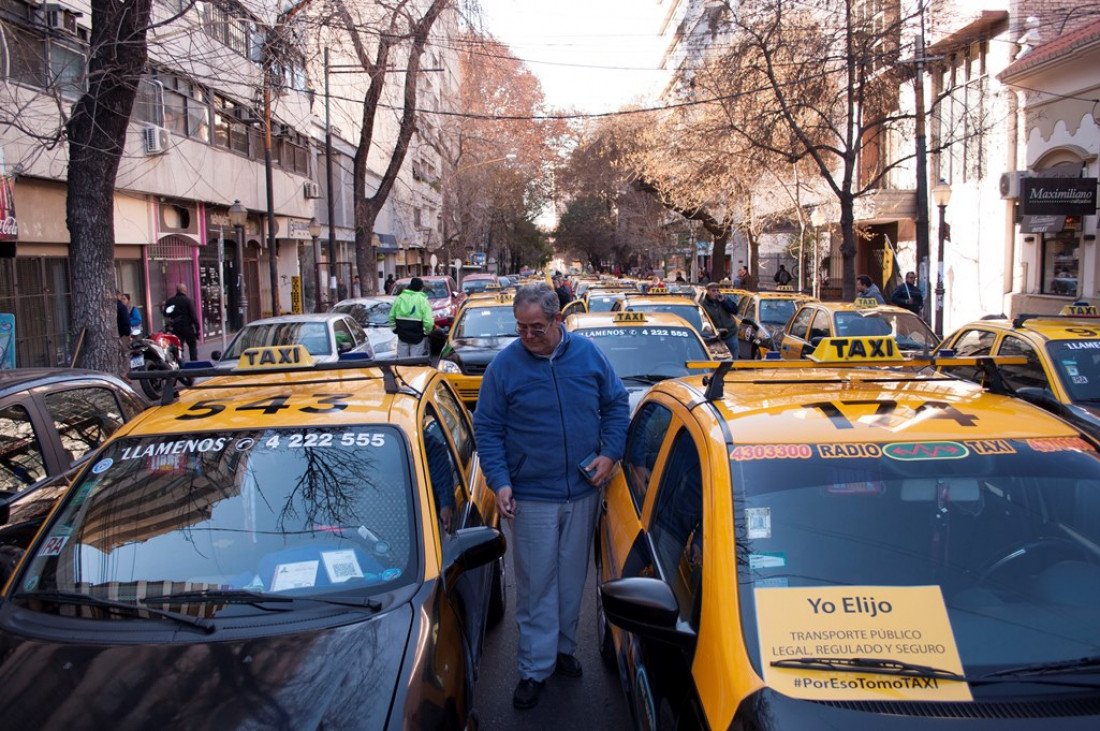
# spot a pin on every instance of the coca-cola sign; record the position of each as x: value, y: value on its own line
x: 9, y: 227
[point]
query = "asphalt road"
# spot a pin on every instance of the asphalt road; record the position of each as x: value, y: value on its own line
x: 593, y: 701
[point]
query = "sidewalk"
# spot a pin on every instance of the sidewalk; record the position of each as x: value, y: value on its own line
x: 212, y: 344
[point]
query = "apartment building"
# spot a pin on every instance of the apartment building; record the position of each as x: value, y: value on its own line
x: 195, y: 147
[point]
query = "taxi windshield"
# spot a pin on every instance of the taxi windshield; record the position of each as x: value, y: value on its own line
x: 301, y: 511
x: 486, y: 322
x: 777, y: 312
x: 649, y: 350
x: 1078, y: 365
x: 1005, y: 530
x: 313, y: 335
x: 687, y: 312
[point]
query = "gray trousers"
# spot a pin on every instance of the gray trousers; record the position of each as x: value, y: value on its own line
x: 552, y: 545
x: 405, y: 350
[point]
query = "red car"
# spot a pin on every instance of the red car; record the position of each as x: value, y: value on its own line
x: 443, y: 294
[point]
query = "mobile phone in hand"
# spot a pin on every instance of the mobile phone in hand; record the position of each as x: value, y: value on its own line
x: 586, y: 465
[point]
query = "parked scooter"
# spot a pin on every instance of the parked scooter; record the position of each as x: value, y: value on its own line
x: 158, y: 352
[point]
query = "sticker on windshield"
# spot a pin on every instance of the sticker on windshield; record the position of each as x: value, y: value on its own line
x: 1060, y: 444
x: 920, y: 451
x: 746, y: 452
x: 341, y: 565
x: 1081, y: 379
x: 759, y: 521
x: 53, y: 545
x: 767, y: 561
x: 810, y: 635
x: 175, y: 447
x: 102, y: 466
x: 298, y: 575
x: 243, y: 445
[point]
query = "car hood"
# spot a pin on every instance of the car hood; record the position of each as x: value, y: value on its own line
x: 331, y: 677
x: 479, y: 350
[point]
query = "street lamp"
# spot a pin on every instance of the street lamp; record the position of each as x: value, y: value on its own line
x: 941, y: 194
x: 237, y: 216
x: 315, y: 234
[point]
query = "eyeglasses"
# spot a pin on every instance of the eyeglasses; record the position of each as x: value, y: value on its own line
x: 535, y: 332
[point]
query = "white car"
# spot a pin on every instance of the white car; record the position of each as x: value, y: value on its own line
x: 373, y: 314
x: 326, y: 335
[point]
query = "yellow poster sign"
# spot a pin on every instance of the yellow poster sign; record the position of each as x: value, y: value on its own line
x: 809, y: 637
x: 296, y: 295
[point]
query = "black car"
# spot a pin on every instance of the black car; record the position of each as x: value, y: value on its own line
x: 51, y: 421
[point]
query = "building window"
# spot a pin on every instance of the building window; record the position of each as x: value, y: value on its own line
x: 1061, y: 261
x: 36, y: 59
x: 186, y: 108
x: 963, y: 113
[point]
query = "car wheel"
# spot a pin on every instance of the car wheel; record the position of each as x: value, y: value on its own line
x: 9, y: 559
x: 152, y: 387
x: 603, y: 637
x: 498, y: 595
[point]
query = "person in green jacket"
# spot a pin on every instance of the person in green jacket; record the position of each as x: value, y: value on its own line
x: 411, y: 318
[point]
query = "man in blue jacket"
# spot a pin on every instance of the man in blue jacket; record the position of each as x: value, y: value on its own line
x: 548, y: 402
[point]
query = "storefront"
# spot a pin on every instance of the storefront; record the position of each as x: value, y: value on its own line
x: 1051, y: 211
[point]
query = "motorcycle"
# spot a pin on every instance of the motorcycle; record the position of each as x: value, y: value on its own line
x: 158, y: 352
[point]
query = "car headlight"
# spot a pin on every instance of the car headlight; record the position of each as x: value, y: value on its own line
x: 447, y: 366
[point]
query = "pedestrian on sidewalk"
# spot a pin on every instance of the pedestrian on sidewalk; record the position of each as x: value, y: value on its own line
x: 908, y: 294
x: 180, y: 320
x: 550, y: 427
x: 866, y: 289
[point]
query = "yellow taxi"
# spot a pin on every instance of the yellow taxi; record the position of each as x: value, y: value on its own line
x: 643, y: 347
x: 597, y: 298
x: 842, y: 543
x: 761, y: 317
x: 681, y: 306
x: 1062, y: 373
x: 483, y: 328
x: 281, y: 538
x: 813, y: 321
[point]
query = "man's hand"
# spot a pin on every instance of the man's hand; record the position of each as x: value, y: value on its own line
x: 447, y: 518
x: 506, y: 504
x: 600, y: 470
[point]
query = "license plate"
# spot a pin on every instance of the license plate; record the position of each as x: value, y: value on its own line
x: 137, y: 361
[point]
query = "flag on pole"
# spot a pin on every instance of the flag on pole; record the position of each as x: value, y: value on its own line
x: 889, y: 271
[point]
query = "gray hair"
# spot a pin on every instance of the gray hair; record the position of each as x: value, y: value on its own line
x: 540, y: 294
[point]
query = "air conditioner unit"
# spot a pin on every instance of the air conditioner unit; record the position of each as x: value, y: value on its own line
x: 1010, y: 184
x: 156, y: 140
x: 60, y: 18
x: 312, y: 190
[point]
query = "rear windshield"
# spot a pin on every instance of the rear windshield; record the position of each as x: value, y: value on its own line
x: 313, y: 335
x: 368, y: 315
x: 777, y: 312
x: 300, y: 511
x: 688, y: 312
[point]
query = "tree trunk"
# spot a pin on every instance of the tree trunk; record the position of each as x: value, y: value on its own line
x: 97, y: 136
x: 848, y: 247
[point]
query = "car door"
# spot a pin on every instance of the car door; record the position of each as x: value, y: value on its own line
x: 797, y: 334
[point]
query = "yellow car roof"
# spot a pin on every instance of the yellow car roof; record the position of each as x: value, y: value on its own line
x: 773, y: 295
x: 282, y: 399
x: 819, y: 405
x: 853, y: 307
x: 588, y: 320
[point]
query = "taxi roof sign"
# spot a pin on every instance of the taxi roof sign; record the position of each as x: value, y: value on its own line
x: 867, y: 349
x: 275, y: 356
x: 659, y: 289
x: 629, y: 316
x: 867, y: 302
x: 1080, y: 309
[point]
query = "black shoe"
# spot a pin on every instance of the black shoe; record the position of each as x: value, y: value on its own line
x: 527, y: 693
x: 568, y: 666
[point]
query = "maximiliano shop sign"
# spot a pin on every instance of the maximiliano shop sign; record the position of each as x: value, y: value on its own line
x: 1058, y: 196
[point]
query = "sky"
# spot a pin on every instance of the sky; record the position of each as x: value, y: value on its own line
x: 591, y: 55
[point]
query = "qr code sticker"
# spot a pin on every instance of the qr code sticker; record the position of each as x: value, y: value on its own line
x: 341, y: 566
x: 759, y: 522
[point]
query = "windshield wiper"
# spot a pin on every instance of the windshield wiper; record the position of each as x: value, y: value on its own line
x: 88, y: 600
x: 872, y: 665
x: 257, y: 599
x: 221, y: 596
x: 647, y: 378
x: 1091, y: 662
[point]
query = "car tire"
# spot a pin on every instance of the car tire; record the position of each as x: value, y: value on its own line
x: 152, y: 387
x: 604, y: 639
x: 9, y: 559
x: 498, y: 595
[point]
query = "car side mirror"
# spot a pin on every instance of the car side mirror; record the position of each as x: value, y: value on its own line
x: 215, y: 355
x: 646, y: 607
x: 1041, y: 397
x: 471, y: 548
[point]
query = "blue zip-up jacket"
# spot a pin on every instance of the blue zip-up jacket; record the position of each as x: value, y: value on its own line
x: 538, y: 418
